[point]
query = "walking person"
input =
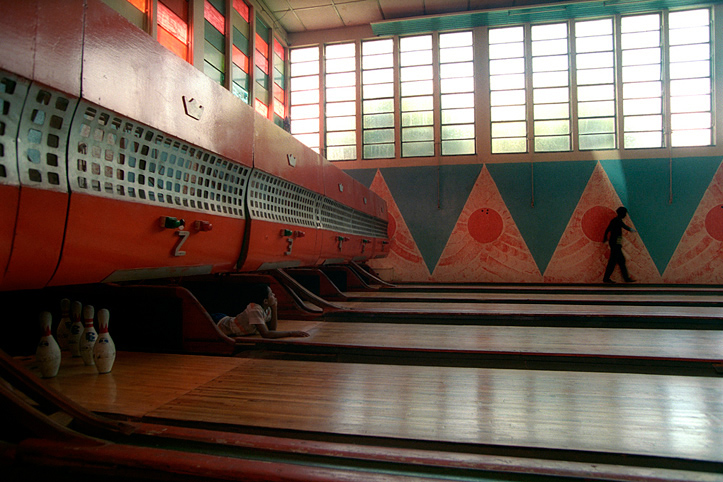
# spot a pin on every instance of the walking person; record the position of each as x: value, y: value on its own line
x: 614, y: 233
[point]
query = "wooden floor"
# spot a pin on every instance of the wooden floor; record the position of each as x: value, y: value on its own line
x: 678, y: 417
x: 550, y: 310
x: 681, y: 345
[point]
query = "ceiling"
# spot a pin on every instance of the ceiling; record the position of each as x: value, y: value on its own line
x: 298, y: 16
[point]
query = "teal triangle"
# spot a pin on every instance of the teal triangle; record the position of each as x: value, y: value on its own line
x: 644, y: 187
x: 431, y: 200
x: 364, y: 176
x: 541, y: 198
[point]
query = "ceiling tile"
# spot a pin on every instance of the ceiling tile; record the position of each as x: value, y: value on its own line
x: 359, y: 12
x: 277, y: 5
x: 299, y: 4
x: 290, y: 22
x: 318, y: 18
x: 435, y: 7
x: 401, y: 8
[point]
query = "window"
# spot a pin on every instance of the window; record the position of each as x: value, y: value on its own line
x: 508, y: 98
x: 551, y: 87
x: 456, y: 72
x: 261, y: 71
x: 621, y: 81
x: 595, y: 75
x: 240, y: 54
x: 214, y: 52
x: 279, y: 86
x: 417, y: 101
x: 340, y: 106
x: 642, y: 81
x: 378, y: 98
x: 691, y: 118
x: 173, y: 26
x: 305, y: 96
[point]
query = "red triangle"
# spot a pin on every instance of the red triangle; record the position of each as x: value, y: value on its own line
x: 699, y: 255
x: 581, y: 254
x: 485, y: 245
x: 405, y: 262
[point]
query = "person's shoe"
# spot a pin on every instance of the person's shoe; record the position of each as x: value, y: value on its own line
x: 629, y: 280
x: 609, y: 281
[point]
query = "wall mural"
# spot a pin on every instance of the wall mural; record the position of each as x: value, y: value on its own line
x: 544, y: 222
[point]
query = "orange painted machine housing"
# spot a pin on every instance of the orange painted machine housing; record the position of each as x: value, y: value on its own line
x: 285, y: 190
x: 170, y: 175
x: 34, y: 123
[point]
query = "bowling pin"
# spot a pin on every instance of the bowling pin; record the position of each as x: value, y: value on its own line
x: 104, y: 350
x: 76, y: 328
x: 89, y: 336
x: 47, y: 353
x: 63, y: 331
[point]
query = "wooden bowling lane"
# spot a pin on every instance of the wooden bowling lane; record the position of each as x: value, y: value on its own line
x: 601, y: 297
x: 629, y: 343
x: 529, y: 310
x: 611, y: 413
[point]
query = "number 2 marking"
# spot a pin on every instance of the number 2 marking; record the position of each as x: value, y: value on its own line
x: 183, y: 236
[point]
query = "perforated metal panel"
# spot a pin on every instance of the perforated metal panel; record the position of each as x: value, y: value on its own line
x: 42, y: 138
x: 369, y: 226
x: 336, y: 216
x: 13, y: 91
x: 113, y: 156
x: 273, y: 199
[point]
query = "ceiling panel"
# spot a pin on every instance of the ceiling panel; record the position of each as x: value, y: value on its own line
x: 359, y: 12
x: 319, y: 18
x: 401, y: 8
x: 435, y: 7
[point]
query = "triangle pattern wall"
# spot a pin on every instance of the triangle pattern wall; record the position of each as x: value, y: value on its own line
x: 485, y: 245
x: 405, y: 262
x: 581, y: 255
x: 523, y: 222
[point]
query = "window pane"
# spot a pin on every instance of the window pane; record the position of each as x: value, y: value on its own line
x: 458, y: 147
x: 340, y: 96
x: 378, y: 120
x: 458, y: 116
x: 642, y: 54
x: 417, y: 86
x: 418, y: 149
x: 304, y: 95
x: 507, y: 77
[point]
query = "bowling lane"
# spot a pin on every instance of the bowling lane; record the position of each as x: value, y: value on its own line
x: 546, y: 310
x: 648, y: 415
x: 680, y: 345
x: 631, y: 298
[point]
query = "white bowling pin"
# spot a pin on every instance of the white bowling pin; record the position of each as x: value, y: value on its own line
x: 76, y: 328
x: 48, y: 352
x: 104, y: 350
x: 63, y: 330
x: 87, y: 340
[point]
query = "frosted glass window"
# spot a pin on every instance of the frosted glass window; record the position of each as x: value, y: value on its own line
x: 595, y: 84
x: 642, y: 107
x: 340, y: 95
x: 507, y: 90
x: 550, y: 87
x: 378, y: 99
x: 304, y: 90
x: 416, y: 90
x: 691, y: 119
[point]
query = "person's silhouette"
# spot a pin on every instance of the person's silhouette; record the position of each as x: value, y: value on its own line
x: 614, y: 233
